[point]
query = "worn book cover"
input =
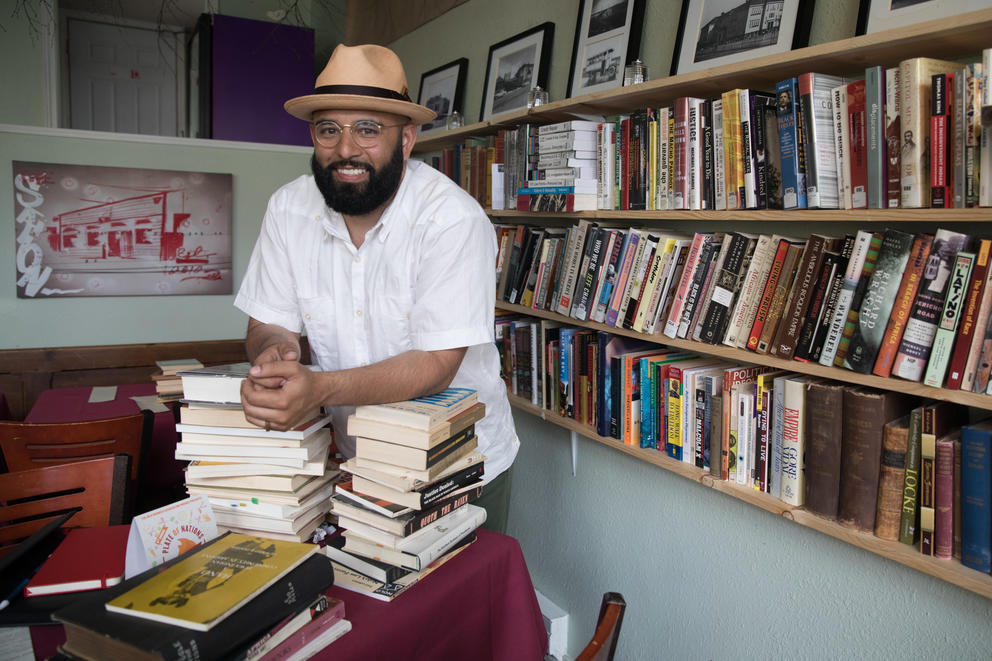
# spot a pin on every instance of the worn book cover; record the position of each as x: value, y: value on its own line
x: 825, y: 427
x: 793, y: 314
x: 976, y: 496
x: 780, y: 296
x: 888, y: 510
x: 944, y: 496
x: 866, y: 411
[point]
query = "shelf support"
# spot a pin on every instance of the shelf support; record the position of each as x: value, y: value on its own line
x: 574, y: 438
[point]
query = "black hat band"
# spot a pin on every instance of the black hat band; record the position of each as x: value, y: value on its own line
x: 362, y: 90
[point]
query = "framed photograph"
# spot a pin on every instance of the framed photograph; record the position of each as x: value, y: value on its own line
x: 878, y: 15
x: 442, y: 90
x: 515, y: 66
x: 716, y: 32
x: 607, y: 38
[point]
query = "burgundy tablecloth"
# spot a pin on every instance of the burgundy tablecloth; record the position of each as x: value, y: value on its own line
x: 73, y: 405
x: 480, y: 605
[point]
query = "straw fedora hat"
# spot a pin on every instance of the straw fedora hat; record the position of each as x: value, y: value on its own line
x: 361, y: 78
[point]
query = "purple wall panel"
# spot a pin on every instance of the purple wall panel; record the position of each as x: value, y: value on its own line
x: 258, y: 66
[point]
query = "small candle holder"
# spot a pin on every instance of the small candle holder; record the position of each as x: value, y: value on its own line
x: 455, y: 121
x: 634, y: 73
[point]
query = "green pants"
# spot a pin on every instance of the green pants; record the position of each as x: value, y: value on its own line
x: 495, y: 499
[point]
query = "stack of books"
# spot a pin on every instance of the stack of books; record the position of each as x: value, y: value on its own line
x: 415, y: 471
x: 269, y: 605
x: 271, y: 483
x: 168, y: 384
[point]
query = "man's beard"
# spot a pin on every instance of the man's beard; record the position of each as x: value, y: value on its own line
x: 359, y: 199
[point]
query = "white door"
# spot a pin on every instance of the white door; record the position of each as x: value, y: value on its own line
x: 122, y: 79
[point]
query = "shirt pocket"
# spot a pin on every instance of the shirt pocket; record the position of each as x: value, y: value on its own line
x: 394, y: 319
x: 319, y: 321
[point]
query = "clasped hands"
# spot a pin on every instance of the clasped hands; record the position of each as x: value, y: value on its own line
x: 279, y: 391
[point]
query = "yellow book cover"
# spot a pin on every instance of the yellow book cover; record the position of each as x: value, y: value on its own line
x: 213, y: 582
x: 733, y: 165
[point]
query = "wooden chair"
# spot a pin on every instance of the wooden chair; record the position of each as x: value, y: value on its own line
x: 604, y: 641
x: 29, y: 499
x: 27, y: 445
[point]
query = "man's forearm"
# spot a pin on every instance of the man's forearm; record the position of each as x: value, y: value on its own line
x: 408, y: 375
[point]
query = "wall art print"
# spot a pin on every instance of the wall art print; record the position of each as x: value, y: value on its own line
x: 86, y: 230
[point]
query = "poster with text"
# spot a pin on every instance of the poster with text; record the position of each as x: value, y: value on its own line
x: 86, y: 230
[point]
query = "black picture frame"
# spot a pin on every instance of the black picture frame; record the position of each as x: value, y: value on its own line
x: 442, y: 89
x: 607, y: 38
x: 732, y: 37
x: 510, y: 70
x: 877, y: 16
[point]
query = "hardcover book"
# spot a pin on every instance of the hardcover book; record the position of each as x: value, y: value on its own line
x: 976, y: 496
x: 824, y: 429
x: 94, y: 632
x: 87, y: 559
x: 888, y: 510
x: 866, y: 411
x: 967, y: 347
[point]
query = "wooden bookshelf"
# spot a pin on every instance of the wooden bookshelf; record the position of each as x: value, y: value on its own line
x: 954, y: 37
x: 743, y: 356
x: 951, y: 571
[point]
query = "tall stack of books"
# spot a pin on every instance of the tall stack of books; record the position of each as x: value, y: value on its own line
x: 415, y: 471
x: 561, y: 171
x: 168, y: 384
x: 270, y: 483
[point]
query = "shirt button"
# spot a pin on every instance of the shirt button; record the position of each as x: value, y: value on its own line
x: 357, y: 258
x: 358, y: 313
x: 316, y: 219
x: 307, y: 316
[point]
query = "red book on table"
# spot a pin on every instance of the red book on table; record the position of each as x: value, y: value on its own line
x: 87, y: 559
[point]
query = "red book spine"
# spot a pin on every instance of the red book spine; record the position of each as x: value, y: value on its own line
x: 626, y: 179
x: 941, y: 195
x: 859, y: 144
x: 764, y: 304
x: 944, y: 499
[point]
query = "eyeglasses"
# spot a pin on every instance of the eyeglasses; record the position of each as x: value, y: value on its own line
x: 366, y: 133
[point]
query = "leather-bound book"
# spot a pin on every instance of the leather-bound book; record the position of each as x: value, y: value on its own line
x: 866, y: 411
x: 824, y: 430
x: 888, y: 511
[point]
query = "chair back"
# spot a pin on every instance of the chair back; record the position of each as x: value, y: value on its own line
x: 30, y: 499
x: 27, y: 445
x: 604, y: 641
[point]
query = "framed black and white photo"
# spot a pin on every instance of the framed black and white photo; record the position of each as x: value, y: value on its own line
x: 877, y: 15
x: 607, y: 38
x: 515, y: 66
x: 442, y: 90
x: 716, y: 32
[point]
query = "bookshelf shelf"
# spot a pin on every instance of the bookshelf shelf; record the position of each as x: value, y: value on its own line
x: 951, y: 571
x: 931, y: 216
x: 742, y: 356
x: 947, y: 38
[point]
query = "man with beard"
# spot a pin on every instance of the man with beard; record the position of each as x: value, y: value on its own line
x: 385, y: 262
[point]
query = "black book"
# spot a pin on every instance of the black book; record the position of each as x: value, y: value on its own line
x: 377, y: 569
x: 727, y: 285
x: 93, y: 632
x: 519, y: 279
x: 707, y: 194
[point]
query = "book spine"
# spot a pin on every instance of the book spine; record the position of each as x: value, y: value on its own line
x: 793, y: 443
x: 962, y: 374
x: 767, y: 294
x: 976, y: 497
x: 891, y: 478
x: 878, y: 301
x: 792, y: 315
x: 943, y: 341
x: 875, y: 120
x: 823, y: 447
x: 829, y: 267
x: 893, y: 138
x: 793, y: 169
x: 941, y: 194
x: 858, y: 145
x: 755, y: 276
x: 719, y: 171
x: 580, y: 310
x: 693, y: 299
x: 944, y: 499
x: 909, y: 520
x: 928, y: 476
x: 822, y: 191
x: 851, y: 322
x: 623, y: 275
x: 732, y: 150
x: 903, y: 304
x: 725, y: 290
x: 780, y: 298
x: 685, y: 282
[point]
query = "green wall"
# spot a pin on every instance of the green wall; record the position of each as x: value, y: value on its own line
x: 705, y: 576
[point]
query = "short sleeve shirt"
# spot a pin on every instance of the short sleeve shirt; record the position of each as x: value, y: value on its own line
x: 423, y: 279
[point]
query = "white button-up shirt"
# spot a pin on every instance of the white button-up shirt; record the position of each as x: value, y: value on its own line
x: 424, y: 279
